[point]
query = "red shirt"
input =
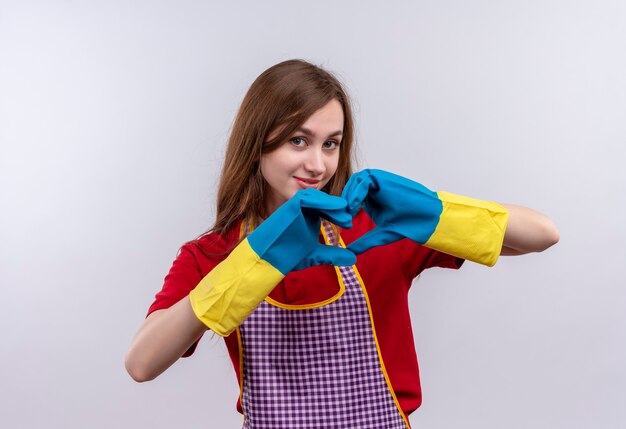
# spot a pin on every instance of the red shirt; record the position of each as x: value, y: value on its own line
x: 387, y: 272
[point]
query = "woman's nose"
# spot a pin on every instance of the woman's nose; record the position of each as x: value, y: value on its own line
x: 314, y: 162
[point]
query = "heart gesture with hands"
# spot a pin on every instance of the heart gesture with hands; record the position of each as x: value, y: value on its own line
x: 288, y: 239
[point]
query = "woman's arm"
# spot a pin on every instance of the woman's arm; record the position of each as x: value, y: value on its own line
x: 162, y: 339
x: 287, y: 240
x: 527, y: 231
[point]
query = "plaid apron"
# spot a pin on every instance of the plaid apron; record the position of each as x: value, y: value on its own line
x: 316, y: 367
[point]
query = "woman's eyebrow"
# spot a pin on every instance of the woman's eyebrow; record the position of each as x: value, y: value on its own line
x: 310, y: 133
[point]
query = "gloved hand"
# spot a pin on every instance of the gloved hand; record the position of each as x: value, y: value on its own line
x: 460, y: 226
x: 287, y: 240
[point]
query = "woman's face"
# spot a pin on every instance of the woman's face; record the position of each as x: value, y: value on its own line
x: 308, y: 159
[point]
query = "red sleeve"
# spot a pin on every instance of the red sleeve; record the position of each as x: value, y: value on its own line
x: 415, y: 258
x: 183, y: 276
x: 194, y: 260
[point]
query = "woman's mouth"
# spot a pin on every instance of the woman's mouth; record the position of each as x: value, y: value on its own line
x: 305, y: 183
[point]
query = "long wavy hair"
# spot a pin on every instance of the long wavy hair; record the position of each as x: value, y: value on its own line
x: 280, y: 100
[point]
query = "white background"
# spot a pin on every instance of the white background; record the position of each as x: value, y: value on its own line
x: 113, y: 120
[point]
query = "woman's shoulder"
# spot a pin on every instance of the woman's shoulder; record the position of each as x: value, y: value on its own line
x: 214, y: 245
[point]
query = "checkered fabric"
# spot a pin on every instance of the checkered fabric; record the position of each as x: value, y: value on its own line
x: 315, y: 368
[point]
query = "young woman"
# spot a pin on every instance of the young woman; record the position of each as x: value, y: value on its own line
x: 318, y: 336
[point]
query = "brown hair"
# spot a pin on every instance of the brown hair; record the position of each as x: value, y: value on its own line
x: 280, y: 99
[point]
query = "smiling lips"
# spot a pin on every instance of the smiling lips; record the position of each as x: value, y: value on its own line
x: 305, y: 183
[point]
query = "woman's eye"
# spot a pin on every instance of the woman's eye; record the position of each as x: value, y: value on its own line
x: 298, y: 141
x: 330, y: 144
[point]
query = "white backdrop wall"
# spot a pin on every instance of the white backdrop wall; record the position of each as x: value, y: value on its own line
x: 113, y: 119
